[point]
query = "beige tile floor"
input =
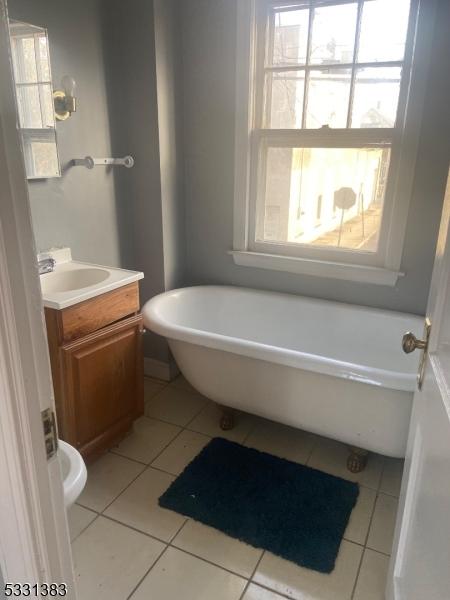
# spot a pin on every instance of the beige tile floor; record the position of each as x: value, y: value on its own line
x: 126, y: 547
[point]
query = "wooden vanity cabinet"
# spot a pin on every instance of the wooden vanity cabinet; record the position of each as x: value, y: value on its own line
x: 97, y: 367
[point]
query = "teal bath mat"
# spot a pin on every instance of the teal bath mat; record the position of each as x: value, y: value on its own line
x: 291, y: 510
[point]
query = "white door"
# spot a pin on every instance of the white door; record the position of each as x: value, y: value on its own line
x: 34, y: 543
x: 420, y: 564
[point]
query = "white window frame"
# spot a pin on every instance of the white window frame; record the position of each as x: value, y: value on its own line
x: 382, y: 267
x: 43, y: 134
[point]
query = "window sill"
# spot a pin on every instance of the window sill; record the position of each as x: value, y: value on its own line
x: 317, y: 268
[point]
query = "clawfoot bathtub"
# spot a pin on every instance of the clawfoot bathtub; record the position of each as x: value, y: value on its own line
x: 334, y: 369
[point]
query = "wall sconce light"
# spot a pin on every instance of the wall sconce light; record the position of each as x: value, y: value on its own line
x: 64, y: 100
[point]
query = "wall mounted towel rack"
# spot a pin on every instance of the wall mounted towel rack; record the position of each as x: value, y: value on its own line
x: 89, y: 162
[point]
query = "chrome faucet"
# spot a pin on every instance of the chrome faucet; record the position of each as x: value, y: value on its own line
x: 46, y: 265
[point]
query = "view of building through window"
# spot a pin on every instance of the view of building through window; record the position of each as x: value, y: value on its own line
x: 325, y: 196
x: 330, y: 67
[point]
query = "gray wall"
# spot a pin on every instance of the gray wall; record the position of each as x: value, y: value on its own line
x: 130, y: 57
x: 129, y: 218
x: 169, y: 95
x: 208, y: 55
x: 79, y: 210
x: 131, y: 79
x: 140, y: 46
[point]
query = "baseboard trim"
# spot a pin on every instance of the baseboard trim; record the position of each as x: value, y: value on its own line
x: 160, y: 369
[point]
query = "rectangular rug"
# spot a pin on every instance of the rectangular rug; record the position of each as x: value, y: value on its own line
x: 291, y: 510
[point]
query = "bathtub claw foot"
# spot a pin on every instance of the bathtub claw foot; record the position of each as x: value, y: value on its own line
x: 357, y: 460
x: 227, y: 420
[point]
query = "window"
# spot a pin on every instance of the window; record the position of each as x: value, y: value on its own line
x: 31, y: 65
x: 321, y: 178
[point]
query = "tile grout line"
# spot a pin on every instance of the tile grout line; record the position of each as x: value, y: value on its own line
x: 383, y: 468
x: 84, y: 528
x: 146, y: 573
x: 166, y: 546
x: 187, y: 519
x: 143, y: 464
x: 364, y: 547
x: 196, y: 415
x: 249, y: 580
x: 358, y: 572
x: 139, y: 462
x: 314, y: 446
x: 192, y: 392
x: 160, y: 382
x: 371, y: 520
x: 209, y: 562
x: 125, y: 488
x: 146, y: 467
x: 273, y: 591
x: 149, y: 535
x: 171, y: 543
x: 185, y: 428
x: 366, y: 538
x: 158, y: 419
x: 164, y: 386
x: 250, y: 432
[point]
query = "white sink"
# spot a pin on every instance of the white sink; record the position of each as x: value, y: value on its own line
x: 73, y: 470
x: 72, y: 282
x: 74, y: 279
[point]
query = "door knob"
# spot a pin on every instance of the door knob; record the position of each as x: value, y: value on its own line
x: 411, y: 343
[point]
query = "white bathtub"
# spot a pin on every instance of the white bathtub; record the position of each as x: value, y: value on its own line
x: 334, y: 369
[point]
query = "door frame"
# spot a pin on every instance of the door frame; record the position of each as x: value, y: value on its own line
x: 34, y: 538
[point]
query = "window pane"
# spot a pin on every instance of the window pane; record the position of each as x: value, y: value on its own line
x: 325, y: 196
x: 333, y: 34
x: 35, y: 106
x: 376, y: 97
x: 24, y: 60
x: 284, y: 99
x: 43, y: 58
x: 45, y: 159
x: 290, y: 37
x: 29, y: 107
x: 40, y: 153
x: 48, y: 119
x: 328, y: 95
x: 383, y: 30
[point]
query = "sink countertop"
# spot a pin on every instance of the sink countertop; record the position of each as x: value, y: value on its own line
x: 111, y: 279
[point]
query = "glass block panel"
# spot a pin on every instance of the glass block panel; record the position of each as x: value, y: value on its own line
x: 290, y: 36
x: 383, y: 30
x: 44, y: 158
x: 329, y: 197
x: 333, y: 34
x: 375, y: 98
x: 284, y: 99
x: 40, y: 152
x: 328, y: 97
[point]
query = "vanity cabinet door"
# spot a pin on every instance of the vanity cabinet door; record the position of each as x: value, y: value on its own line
x: 103, y: 381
